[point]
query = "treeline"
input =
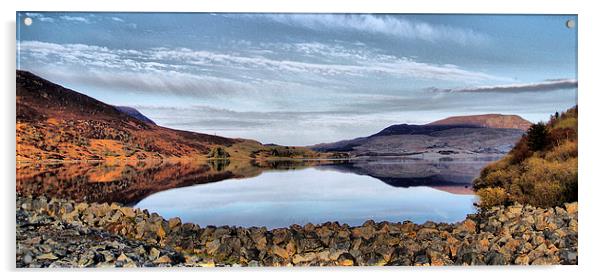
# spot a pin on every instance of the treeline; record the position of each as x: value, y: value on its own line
x: 540, y: 170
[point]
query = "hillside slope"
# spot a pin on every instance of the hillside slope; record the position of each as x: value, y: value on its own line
x: 541, y: 169
x: 56, y: 123
x: 488, y: 120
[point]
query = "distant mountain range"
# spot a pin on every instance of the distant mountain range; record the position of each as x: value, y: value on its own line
x: 56, y: 123
x: 462, y: 136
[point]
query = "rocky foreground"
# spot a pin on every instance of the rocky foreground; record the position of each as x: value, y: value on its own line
x: 62, y: 233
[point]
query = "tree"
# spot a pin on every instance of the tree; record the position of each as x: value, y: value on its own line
x: 537, y: 137
x: 218, y: 152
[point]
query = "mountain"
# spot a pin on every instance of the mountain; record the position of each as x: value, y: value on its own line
x: 56, y: 123
x: 488, y: 120
x: 429, y: 141
x: 132, y: 112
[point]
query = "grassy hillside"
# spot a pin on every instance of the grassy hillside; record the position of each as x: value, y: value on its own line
x: 540, y: 170
x: 58, y: 124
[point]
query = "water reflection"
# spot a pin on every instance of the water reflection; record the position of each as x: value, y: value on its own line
x: 129, y: 183
x: 311, y: 195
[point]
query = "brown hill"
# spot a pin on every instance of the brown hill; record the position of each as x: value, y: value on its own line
x: 488, y: 120
x: 56, y: 123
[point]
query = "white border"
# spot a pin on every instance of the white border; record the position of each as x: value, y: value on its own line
x: 589, y: 107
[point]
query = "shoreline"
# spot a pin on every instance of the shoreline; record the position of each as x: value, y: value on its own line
x: 514, y: 234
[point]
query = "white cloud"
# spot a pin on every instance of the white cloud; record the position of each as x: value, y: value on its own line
x: 199, y: 72
x: 117, y: 19
x: 75, y: 18
x: 382, y: 24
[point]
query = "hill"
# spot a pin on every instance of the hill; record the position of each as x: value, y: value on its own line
x: 429, y: 141
x: 56, y: 123
x: 540, y: 170
x: 488, y: 120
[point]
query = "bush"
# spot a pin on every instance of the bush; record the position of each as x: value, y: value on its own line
x: 492, y: 196
x: 541, y: 169
x: 218, y: 152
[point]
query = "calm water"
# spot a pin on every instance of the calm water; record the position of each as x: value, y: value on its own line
x: 312, y: 195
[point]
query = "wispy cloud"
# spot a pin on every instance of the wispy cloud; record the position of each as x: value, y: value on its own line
x: 186, y: 71
x: 40, y: 17
x: 117, y: 19
x: 547, y: 85
x: 384, y: 25
x: 75, y: 18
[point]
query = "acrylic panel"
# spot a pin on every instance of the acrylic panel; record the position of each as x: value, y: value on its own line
x: 291, y: 139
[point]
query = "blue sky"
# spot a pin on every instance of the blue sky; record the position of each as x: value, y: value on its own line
x: 301, y: 79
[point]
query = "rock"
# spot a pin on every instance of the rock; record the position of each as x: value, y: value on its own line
x: 522, y: 260
x: 27, y: 258
x: 212, y: 247
x: 309, y: 245
x: 366, y: 231
x: 154, y: 254
x: 111, y: 235
x: 281, y: 235
x: 544, y: 261
x: 514, y: 210
x: 571, y: 208
x: 425, y: 233
x: 281, y: 252
x: 495, y: 258
x: 304, y: 258
x: 163, y: 259
x: 123, y: 258
x: 47, y: 256
x: 128, y: 212
x: 568, y: 257
x: 346, y: 259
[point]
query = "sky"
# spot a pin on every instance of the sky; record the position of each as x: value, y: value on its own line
x: 303, y: 79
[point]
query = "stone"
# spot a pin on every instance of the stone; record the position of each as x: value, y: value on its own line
x: 47, y: 256
x: 571, y: 208
x: 27, y: 258
x: 495, y: 258
x: 174, y: 222
x: 123, y: 258
x: 128, y: 212
x: 522, y: 260
x: 163, y: 259
x: 425, y: 233
x: 309, y: 245
x: 304, y: 258
x: 154, y: 254
x: 279, y: 251
x: 212, y: 247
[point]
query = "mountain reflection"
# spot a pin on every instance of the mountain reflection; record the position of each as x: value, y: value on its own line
x: 128, y: 183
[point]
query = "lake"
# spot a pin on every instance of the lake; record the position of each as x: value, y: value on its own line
x: 273, y: 195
